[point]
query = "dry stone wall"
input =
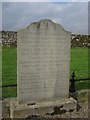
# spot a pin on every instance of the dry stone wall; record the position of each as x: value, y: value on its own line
x: 9, y: 38
x: 80, y: 40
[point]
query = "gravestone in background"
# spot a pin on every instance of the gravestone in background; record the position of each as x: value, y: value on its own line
x: 43, y: 62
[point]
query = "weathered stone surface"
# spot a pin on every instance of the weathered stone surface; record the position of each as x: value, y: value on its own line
x: 40, y: 108
x: 43, y: 62
x: 71, y: 112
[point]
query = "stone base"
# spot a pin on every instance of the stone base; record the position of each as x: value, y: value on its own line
x: 41, y: 108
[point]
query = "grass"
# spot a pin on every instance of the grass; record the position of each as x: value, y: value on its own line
x: 9, y: 66
x: 80, y: 85
x: 79, y: 63
x: 9, y: 92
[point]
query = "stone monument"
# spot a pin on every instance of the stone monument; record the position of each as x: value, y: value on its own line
x: 43, y: 64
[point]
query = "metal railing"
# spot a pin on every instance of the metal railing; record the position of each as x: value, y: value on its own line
x: 72, y: 87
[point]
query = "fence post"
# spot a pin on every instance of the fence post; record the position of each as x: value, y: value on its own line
x: 72, y: 88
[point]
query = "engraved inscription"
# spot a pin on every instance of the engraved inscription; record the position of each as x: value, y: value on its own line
x: 43, y: 62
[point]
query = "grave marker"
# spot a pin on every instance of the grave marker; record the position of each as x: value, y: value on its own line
x: 43, y: 62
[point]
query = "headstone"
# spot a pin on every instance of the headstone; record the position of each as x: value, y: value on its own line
x: 43, y: 62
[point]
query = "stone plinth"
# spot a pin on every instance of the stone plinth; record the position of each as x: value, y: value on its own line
x: 41, y: 108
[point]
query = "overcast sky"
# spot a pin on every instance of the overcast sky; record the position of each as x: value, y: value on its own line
x: 73, y: 16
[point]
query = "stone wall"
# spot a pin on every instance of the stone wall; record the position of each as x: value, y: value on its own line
x: 9, y: 38
x: 80, y: 40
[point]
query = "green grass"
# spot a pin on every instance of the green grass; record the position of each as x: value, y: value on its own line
x: 9, y: 66
x: 80, y: 85
x: 79, y: 63
x: 9, y: 71
x: 9, y: 92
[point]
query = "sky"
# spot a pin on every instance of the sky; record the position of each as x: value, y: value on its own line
x: 73, y: 16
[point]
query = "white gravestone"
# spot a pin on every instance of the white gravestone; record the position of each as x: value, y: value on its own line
x: 43, y: 62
